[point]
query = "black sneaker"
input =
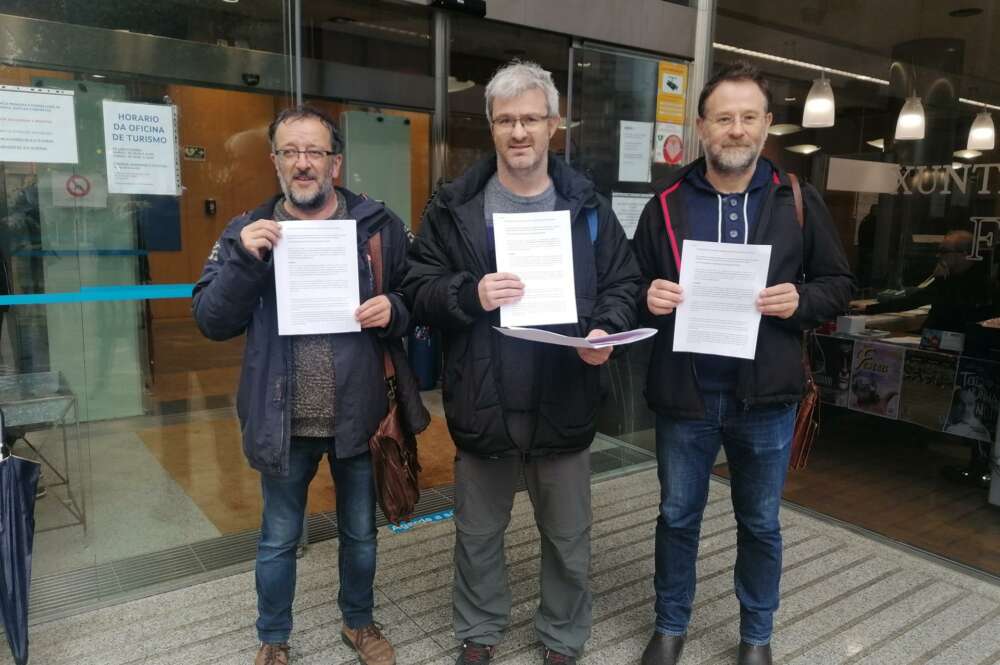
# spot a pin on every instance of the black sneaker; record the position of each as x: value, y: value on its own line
x: 473, y: 652
x: 555, y: 658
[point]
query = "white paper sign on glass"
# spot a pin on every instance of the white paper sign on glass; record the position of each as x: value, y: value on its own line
x: 635, y: 151
x: 140, y: 148
x: 721, y: 282
x: 628, y: 209
x: 538, y: 248
x: 316, y: 277
x: 37, y: 125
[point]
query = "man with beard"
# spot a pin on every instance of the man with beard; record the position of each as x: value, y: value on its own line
x: 517, y: 407
x: 301, y: 397
x: 704, y: 402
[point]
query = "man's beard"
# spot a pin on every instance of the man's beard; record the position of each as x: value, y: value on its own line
x: 309, y: 203
x: 735, y: 159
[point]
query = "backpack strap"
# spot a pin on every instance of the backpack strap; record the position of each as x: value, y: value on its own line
x: 592, y: 224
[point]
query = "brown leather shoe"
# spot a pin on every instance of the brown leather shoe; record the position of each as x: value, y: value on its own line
x: 272, y: 654
x: 370, y: 644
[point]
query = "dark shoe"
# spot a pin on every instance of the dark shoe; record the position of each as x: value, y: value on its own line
x: 555, y: 658
x: 754, y: 655
x: 272, y: 654
x: 473, y: 652
x: 663, y: 650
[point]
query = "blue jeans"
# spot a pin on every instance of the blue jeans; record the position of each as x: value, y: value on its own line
x: 284, y: 509
x: 757, y: 443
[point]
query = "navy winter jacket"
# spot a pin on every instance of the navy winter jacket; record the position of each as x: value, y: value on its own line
x: 235, y: 294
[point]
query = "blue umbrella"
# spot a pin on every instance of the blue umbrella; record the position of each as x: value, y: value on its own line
x: 18, y: 482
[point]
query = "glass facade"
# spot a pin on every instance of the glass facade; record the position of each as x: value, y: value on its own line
x: 105, y: 377
x: 912, y: 381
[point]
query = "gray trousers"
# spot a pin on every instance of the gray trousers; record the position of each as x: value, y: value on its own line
x: 559, y: 488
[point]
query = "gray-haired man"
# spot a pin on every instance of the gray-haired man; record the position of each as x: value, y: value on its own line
x: 515, y: 407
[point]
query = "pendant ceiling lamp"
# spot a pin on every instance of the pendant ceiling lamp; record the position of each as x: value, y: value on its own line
x: 820, y: 106
x: 910, y: 125
x: 983, y: 135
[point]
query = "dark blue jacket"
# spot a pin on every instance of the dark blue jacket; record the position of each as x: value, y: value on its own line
x: 235, y: 294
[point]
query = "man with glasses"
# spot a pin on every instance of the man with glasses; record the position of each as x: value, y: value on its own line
x: 518, y: 407
x: 301, y: 397
x: 704, y: 402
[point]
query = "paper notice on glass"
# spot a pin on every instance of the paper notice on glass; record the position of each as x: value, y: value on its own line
x: 316, y: 277
x: 547, y: 337
x: 635, y: 146
x: 628, y: 209
x: 538, y: 248
x: 721, y: 282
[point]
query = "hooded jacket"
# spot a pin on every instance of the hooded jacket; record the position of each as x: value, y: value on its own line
x: 448, y: 259
x: 236, y: 294
x: 812, y: 258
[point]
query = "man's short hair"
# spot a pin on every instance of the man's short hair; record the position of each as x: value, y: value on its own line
x: 305, y: 111
x: 741, y: 70
x: 518, y: 77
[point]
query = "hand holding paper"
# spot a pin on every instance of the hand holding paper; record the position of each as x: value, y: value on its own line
x: 780, y: 300
x: 596, y: 356
x: 663, y: 297
x: 499, y: 288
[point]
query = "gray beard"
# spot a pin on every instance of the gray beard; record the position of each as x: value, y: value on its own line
x: 726, y: 162
x: 310, y: 204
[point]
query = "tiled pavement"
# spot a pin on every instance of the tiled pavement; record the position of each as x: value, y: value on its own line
x: 846, y: 599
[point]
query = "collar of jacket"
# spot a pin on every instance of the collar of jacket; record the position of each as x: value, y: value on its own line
x: 367, y: 212
x: 463, y: 197
x: 668, y: 186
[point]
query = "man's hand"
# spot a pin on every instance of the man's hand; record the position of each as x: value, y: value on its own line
x: 663, y: 297
x: 780, y: 300
x: 374, y: 313
x: 499, y: 288
x: 260, y: 236
x: 596, y: 356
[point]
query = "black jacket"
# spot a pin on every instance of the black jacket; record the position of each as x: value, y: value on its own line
x: 448, y: 259
x: 775, y: 375
x: 235, y: 294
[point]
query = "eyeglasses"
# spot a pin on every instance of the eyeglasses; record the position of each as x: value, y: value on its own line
x: 312, y: 155
x: 506, y: 123
x: 726, y: 120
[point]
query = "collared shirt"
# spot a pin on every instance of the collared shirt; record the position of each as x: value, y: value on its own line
x: 717, y: 217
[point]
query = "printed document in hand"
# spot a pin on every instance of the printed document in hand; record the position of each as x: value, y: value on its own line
x: 546, y: 337
x: 721, y: 282
x: 316, y: 277
x: 538, y: 248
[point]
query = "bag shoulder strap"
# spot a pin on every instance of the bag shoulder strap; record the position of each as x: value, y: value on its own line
x: 375, y: 257
x: 797, y: 195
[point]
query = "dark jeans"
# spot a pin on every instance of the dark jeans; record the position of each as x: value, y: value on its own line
x: 757, y: 444
x: 284, y: 508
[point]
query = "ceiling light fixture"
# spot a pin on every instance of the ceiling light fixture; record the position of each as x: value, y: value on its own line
x: 760, y: 55
x: 877, y: 143
x: 783, y: 129
x: 455, y: 85
x: 820, y: 106
x: 910, y: 124
x: 982, y: 134
x: 967, y: 154
x: 803, y: 149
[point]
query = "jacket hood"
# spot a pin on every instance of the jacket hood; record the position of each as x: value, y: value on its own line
x: 677, y: 176
x: 571, y: 185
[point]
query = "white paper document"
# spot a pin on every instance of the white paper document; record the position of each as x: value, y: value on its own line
x: 316, y: 277
x: 721, y: 282
x: 538, y: 248
x: 635, y: 146
x: 546, y: 337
